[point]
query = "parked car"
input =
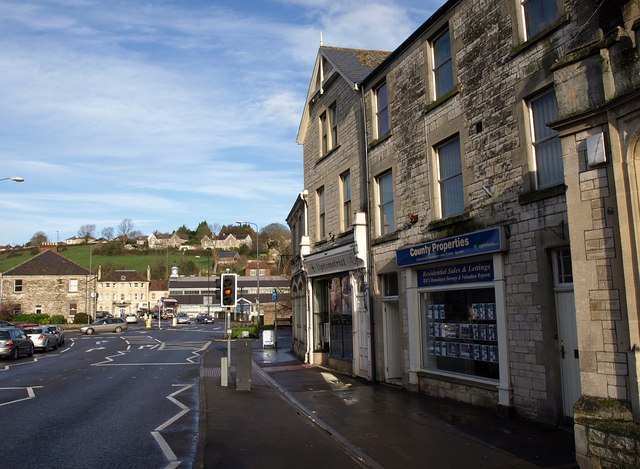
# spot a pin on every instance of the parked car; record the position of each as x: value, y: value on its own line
x: 205, y: 319
x: 42, y: 338
x: 6, y: 324
x: 57, y: 330
x: 105, y: 325
x: 131, y: 318
x: 25, y: 325
x: 14, y: 343
x: 183, y: 318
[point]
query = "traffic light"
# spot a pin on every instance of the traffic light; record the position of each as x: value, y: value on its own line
x: 229, y: 288
x: 216, y: 290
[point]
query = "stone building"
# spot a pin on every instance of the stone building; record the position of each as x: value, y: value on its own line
x: 334, y: 327
x: 123, y: 292
x: 499, y: 145
x: 48, y: 283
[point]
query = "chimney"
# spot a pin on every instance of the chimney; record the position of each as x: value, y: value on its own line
x: 48, y: 247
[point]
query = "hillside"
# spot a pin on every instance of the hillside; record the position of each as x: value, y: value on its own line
x: 138, y: 260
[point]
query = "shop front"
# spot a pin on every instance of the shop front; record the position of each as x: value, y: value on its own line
x: 456, y: 298
x: 337, y: 310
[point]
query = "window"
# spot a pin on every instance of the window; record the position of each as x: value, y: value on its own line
x: 562, y: 267
x: 328, y: 130
x: 382, y: 110
x: 450, y: 182
x: 386, y: 214
x: 73, y: 285
x: 538, y: 15
x: 389, y: 284
x: 324, y: 134
x: 17, y: 286
x: 345, y: 186
x: 546, y: 143
x: 442, y: 66
x: 38, y: 309
x: 321, y: 213
x: 73, y: 309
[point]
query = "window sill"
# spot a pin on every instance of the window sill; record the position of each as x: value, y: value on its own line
x: 385, y: 238
x: 542, y: 194
x: 523, y: 46
x: 379, y: 140
x: 445, y: 97
x: 442, y: 223
x: 329, y: 153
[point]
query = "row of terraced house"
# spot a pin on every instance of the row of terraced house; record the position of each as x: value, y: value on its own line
x: 468, y: 226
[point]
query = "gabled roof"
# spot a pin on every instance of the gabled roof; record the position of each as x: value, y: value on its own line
x: 48, y: 263
x: 353, y: 65
x: 124, y: 276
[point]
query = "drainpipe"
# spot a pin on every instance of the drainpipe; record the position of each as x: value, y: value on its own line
x: 366, y: 207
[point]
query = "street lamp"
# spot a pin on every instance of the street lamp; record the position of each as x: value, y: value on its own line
x: 240, y: 222
x: 13, y: 178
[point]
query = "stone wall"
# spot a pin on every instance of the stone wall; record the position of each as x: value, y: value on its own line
x: 605, y: 434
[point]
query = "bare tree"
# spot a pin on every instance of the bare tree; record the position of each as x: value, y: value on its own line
x: 107, y: 232
x: 125, y: 228
x: 86, y: 232
x: 38, y: 238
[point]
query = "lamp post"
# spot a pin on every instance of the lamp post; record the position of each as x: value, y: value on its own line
x: 13, y: 178
x: 240, y: 222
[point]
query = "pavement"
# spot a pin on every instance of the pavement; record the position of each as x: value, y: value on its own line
x: 296, y: 415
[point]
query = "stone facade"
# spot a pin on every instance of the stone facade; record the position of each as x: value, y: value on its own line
x: 564, y: 274
x: 47, y: 284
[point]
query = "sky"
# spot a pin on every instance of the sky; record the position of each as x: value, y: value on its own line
x: 167, y: 113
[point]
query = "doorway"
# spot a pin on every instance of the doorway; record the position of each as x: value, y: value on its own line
x: 567, y: 338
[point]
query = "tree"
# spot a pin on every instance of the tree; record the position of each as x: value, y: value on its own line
x: 202, y: 230
x: 86, y: 232
x: 38, y: 238
x: 125, y: 228
x: 107, y: 233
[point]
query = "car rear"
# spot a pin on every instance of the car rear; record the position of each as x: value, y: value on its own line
x: 40, y: 337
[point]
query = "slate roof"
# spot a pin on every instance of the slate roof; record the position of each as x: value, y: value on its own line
x: 48, y: 263
x: 355, y: 64
x: 129, y: 276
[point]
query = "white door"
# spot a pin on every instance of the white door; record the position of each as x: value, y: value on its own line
x: 567, y: 331
x: 392, y: 341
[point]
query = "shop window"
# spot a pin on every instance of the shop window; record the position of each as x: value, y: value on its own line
x: 547, y: 153
x: 442, y: 66
x: 538, y: 15
x: 450, y: 178
x: 382, y: 110
x: 459, y: 332
x: 341, y: 318
x: 345, y: 189
x: 17, y: 286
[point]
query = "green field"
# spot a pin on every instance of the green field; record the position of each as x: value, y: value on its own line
x: 81, y: 255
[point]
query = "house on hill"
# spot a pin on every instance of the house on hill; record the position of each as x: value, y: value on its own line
x: 164, y: 240
x: 48, y: 283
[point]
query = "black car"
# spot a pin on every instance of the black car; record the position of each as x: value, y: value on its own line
x: 14, y: 343
x: 204, y: 319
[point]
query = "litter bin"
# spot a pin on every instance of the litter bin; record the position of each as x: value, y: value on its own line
x: 268, y: 339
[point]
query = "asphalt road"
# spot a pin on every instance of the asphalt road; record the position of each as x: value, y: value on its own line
x: 127, y: 400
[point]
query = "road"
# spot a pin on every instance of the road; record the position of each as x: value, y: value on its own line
x: 125, y: 400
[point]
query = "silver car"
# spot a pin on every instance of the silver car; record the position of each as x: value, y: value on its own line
x: 57, y: 330
x: 42, y: 338
x: 105, y: 325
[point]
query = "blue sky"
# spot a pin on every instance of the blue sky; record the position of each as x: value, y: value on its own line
x: 164, y: 112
